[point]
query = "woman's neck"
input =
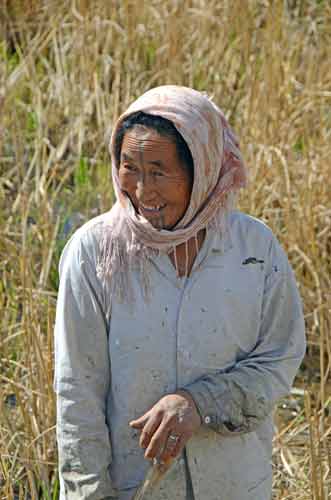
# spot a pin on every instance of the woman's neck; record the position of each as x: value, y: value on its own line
x: 182, y: 258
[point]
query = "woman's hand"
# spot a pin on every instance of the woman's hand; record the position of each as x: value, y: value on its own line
x: 167, y: 426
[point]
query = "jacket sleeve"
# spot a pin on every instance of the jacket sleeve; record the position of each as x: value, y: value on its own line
x: 238, y: 400
x: 82, y: 377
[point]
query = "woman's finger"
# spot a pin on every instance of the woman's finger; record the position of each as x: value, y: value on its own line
x: 179, y: 448
x: 149, y: 429
x: 158, y: 441
x: 139, y: 422
x: 172, y: 446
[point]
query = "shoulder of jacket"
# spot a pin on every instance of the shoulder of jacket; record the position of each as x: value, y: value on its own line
x: 87, y: 238
x: 250, y: 227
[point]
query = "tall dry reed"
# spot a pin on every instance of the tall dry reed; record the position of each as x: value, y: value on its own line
x: 67, y: 70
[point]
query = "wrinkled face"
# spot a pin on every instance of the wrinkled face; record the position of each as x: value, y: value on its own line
x: 153, y: 177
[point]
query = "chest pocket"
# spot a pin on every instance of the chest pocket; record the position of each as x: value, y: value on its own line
x: 220, y: 317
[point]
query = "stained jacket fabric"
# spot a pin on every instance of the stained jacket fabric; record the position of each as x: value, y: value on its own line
x: 232, y: 334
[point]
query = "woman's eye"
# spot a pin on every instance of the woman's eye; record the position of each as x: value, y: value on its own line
x: 158, y: 174
x: 131, y: 168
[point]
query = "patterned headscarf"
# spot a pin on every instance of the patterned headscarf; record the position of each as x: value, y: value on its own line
x: 219, y: 172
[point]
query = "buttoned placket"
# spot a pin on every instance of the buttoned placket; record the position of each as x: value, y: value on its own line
x: 210, y: 247
x: 183, y: 285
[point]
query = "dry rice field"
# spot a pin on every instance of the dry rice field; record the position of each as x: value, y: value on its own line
x: 68, y: 68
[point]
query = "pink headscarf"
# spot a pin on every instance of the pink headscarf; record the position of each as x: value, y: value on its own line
x: 219, y: 172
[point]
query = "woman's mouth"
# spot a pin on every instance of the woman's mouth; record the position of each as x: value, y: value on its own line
x: 150, y: 209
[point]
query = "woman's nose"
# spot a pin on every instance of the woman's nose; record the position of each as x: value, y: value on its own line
x: 144, y: 187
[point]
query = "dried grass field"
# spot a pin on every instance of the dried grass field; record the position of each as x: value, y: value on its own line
x: 67, y: 70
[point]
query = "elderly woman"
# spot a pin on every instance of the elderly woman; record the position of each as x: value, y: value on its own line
x: 178, y: 323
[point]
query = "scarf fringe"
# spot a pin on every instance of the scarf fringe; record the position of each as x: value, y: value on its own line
x: 121, y: 254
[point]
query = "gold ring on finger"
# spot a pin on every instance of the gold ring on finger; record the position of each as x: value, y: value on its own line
x: 173, y: 439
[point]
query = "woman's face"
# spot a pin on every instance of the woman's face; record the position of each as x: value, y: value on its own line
x: 153, y: 177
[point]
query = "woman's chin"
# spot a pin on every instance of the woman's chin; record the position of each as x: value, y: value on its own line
x: 156, y: 220
x: 157, y: 224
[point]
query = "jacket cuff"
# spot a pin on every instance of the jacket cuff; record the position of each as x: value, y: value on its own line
x: 218, y: 415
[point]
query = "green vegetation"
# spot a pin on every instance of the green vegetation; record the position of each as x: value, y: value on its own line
x: 67, y: 71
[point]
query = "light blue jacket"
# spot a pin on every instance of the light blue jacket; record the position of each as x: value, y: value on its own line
x: 232, y: 334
